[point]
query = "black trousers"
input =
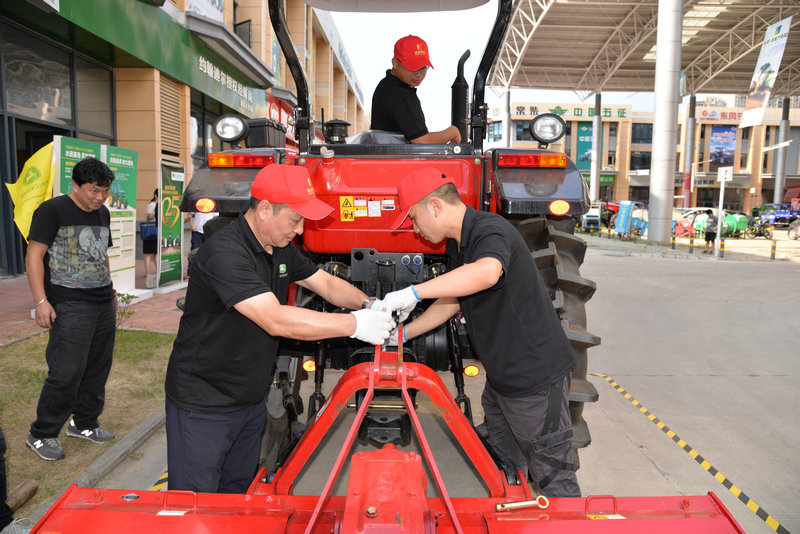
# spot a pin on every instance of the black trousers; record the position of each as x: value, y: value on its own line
x: 78, y: 355
x: 214, y: 452
x: 5, y: 511
x: 517, y: 430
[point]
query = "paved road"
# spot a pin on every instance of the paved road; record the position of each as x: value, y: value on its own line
x: 709, y: 347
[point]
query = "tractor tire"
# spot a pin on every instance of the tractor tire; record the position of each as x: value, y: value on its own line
x: 558, y: 254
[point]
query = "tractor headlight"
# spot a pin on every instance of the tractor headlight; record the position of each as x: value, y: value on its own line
x: 548, y: 128
x: 231, y: 128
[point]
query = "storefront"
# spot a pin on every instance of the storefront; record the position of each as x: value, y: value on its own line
x: 122, y: 73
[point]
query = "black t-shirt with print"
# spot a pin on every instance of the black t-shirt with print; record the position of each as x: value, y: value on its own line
x: 76, y: 263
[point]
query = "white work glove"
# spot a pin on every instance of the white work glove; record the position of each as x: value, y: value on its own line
x: 402, y: 301
x: 392, y: 341
x: 372, y: 326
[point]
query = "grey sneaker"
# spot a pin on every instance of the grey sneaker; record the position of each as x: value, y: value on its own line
x: 47, y: 448
x: 18, y: 526
x: 98, y: 435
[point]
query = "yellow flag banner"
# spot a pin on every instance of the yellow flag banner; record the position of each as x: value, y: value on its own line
x: 34, y: 186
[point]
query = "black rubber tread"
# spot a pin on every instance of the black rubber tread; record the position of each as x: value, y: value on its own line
x: 558, y: 254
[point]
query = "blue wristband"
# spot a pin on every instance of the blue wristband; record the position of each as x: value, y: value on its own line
x: 416, y: 296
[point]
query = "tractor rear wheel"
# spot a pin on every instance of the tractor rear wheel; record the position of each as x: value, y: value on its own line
x: 558, y: 254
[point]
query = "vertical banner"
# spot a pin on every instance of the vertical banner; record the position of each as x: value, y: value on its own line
x: 121, y: 204
x: 583, y: 150
x: 722, y: 147
x: 67, y: 152
x: 170, y: 249
x: 769, y: 59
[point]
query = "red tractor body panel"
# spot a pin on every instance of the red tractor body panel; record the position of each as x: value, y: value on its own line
x: 363, y: 193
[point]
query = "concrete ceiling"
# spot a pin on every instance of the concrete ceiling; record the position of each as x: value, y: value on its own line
x: 592, y: 46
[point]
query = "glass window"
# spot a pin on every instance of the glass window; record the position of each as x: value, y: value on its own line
x: 641, y: 134
x: 37, y: 77
x: 93, y: 96
x: 745, y: 150
x: 495, y: 132
x: 640, y: 160
x: 522, y: 131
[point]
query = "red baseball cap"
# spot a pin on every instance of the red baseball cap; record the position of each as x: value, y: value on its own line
x: 412, y: 52
x: 416, y: 186
x: 290, y: 185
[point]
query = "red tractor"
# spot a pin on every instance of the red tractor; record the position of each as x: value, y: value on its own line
x: 542, y: 192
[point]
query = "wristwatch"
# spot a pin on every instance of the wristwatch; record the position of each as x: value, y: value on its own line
x: 367, y: 302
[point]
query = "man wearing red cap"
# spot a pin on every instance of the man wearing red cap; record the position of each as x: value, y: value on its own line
x: 511, y: 322
x: 235, y: 313
x: 395, y: 106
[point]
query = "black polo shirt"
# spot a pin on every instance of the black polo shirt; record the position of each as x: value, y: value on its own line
x: 222, y: 361
x: 512, y: 325
x: 396, y: 108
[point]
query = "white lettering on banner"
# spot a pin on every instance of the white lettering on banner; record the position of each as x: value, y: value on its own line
x: 76, y: 154
x: 120, y: 161
x: 227, y: 82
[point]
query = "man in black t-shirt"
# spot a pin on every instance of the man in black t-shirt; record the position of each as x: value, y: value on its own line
x: 395, y: 106
x: 234, y: 314
x: 69, y: 275
x: 511, y: 322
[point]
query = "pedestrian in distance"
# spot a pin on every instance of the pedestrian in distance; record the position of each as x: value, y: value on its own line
x: 711, y: 232
x: 395, y: 105
x: 70, y: 278
x: 150, y: 243
x: 235, y: 313
x: 514, y: 329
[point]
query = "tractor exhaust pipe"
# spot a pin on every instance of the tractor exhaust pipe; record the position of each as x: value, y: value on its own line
x: 460, y: 99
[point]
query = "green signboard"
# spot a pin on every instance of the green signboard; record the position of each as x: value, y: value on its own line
x: 171, y: 223
x: 151, y: 35
x: 122, y: 205
x: 605, y: 179
x: 583, y: 150
x: 68, y: 152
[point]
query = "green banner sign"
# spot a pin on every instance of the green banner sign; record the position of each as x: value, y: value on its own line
x: 171, y: 223
x: 68, y: 152
x: 122, y: 205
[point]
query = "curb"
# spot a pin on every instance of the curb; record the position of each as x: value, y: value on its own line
x: 108, y: 460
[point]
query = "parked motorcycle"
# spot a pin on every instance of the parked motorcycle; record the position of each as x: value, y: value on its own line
x: 759, y: 228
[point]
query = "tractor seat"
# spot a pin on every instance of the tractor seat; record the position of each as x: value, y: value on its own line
x: 377, y: 137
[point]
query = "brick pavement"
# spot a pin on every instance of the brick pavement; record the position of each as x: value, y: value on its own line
x: 158, y: 313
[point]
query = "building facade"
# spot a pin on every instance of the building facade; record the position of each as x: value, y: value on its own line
x: 626, y: 148
x: 153, y: 76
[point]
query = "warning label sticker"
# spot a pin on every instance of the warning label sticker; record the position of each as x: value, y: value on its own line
x: 351, y: 207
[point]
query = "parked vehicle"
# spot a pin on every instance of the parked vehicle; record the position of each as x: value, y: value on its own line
x: 777, y: 214
x: 793, y: 232
x: 759, y: 228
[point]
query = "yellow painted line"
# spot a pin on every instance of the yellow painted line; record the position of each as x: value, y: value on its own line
x: 705, y: 464
x: 161, y: 483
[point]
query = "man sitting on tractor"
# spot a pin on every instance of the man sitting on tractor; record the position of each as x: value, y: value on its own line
x: 395, y: 105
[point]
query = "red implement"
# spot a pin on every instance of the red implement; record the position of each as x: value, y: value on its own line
x: 386, y: 490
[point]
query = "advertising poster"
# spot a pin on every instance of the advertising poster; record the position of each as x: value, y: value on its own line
x: 583, y: 150
x: 722, y: 147
x: 68, y: 152
x: 170, y: 223
x: 769, y: 59
x: 121, y: 204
